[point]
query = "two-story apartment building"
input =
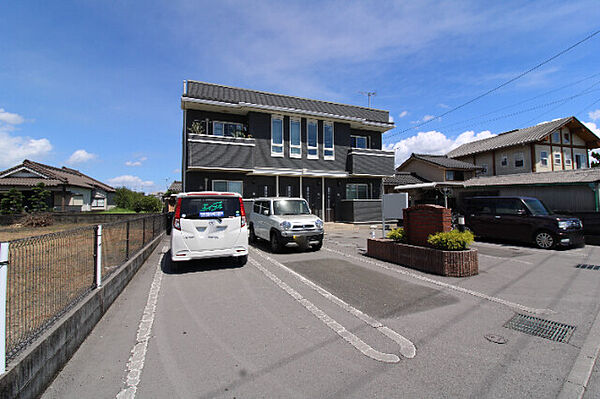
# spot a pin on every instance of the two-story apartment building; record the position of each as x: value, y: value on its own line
x: 265, y: 144
x: 562, y: 144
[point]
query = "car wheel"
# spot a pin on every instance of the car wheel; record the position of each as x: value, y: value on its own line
x: 318, y: 246
x: 251, y: 235
x: 241, y: 260
x: 545, y: 240
x: 275, y: 244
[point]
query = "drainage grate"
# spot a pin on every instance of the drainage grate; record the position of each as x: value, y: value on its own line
x: 588, y: 267
x: 548, y: 329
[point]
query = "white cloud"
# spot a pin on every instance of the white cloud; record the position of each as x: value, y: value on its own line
x: 80, y: 156
x: 10, y: 118
x: 177, y: 171
x: 442, y: 105
x: 131, y: 182
x: 15, y: 149
x: 432, y: 142
x: 428, y: 118
x: 138, y: 162
x: 403, y: 114
x: 594, y: 115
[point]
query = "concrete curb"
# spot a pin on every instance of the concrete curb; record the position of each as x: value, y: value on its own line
x: 31, y: 372
x: 576, y: 382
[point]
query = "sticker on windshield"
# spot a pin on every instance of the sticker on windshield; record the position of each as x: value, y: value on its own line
x: 216, y: 214
x: 211, y: 207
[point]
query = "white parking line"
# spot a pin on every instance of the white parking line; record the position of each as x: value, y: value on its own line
x: 407, y: 349
x: 135, y: 365
x: 446, y: 285
x: 506, y: 259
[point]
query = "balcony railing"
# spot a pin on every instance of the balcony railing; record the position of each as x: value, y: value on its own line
x: 362, y: 161
x: 207, y: 151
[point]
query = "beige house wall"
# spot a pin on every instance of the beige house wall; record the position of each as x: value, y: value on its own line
x: 511, y: 154
x: 487, y: 160
x: 539, y: 167
x: 424, y: 170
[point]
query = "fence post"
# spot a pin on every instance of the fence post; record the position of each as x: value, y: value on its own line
x: 127, y: 243
x: 3, y: 286
x: 144, y: 231
x: 98, y: 255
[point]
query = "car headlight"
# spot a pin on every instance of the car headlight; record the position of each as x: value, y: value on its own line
x: 319, y: 224
x: 563, y: 224
x: 285, y: 225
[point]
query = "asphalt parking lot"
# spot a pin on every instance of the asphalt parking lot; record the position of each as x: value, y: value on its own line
x: 336, y: 323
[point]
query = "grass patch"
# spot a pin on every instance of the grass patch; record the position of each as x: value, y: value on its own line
x: 118, y: 211
x: 10, y: 233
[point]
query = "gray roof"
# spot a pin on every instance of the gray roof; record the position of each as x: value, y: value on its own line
x: 176, y: 187
x: 510, y: 138
x: 403, y: 178
x: 445, y: 162
x: 234, y: 95
x: 51, y: 177
x: 577, y: 176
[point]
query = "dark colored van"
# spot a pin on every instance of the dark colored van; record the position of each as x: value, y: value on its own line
x: 524, y: 219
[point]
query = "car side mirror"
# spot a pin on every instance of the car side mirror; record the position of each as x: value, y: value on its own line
x: 266, y: 212
x: 521, y: 212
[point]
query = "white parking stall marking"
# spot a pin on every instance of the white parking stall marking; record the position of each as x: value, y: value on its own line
x: 477, y: 294
x: 407, y: 348
x: 135, y: 365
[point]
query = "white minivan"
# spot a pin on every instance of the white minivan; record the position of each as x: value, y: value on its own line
x: 209, y: 225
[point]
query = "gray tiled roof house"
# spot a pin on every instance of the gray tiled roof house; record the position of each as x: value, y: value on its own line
x: 445, y: 162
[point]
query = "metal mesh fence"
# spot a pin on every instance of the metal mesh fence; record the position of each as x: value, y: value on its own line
x: 49, y: 274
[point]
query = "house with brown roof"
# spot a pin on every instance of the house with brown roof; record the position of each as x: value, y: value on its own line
x: 71, y: 190
x: 562, y: 144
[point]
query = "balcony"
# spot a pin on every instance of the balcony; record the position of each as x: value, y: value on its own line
x: 216, y: 152
x: 369, y: 162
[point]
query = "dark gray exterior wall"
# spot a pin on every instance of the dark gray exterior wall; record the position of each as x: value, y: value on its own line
x: 225, y: 155
x: 370, y: 164
x: 360, y: 210
x: 374, y: 137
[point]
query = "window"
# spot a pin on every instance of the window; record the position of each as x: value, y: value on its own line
x: 504, y: 161
x: 328, y: 141
x: 98, y: 202
x: 567, y: 159
x: 230, y: 186
x: 357, y: 191
x: 544, y: 158
x: 566, y: 138
x: 295, y: 149
x: 556, y: 137
x: 519, y: 160
x: 457, y: 175
x: 359, y: 142
x: 289, y: 191
x: 509, y: 207
x: 228, y: 129
x: 579, y: 163
x: 311, y: 139
x: 484, y: 169
x: 557, y: 159
x: 449, y: 175
x: 277, y: 136
x: 77, y: 200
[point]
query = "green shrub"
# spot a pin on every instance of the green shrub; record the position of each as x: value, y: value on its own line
x: 452, y: 240
x: 398, y: 235
x: 12, y: 202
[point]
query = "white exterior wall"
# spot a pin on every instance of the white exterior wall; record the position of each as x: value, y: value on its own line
x: 538, y: 158
x: 487, y: 160
x: 511, y: 153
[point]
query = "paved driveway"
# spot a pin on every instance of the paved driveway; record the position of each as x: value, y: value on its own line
x: 335, y: 323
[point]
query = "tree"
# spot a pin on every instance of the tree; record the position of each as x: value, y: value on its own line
x: 151, y: 204
x: 596, y: 161
x: 38, y: 202
x: 12, y: 202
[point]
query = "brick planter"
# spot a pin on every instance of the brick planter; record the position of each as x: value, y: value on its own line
x: 429, y: 260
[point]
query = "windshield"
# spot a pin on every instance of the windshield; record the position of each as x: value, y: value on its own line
x: 537, y: 207
x: 290, y: 207
x: 209, y: 208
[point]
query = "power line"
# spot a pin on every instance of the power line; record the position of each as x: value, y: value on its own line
x: 503, y: 84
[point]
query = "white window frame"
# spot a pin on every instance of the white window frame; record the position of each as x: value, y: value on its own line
x: 544, y: 158
x: 504, y: 161
x: 273, y: 144
x: 557, y: 158
x: 332, y: 149
x: 299, y: 145
x: 362, y: 137
x: 225, y: 123
x: 227, y: 182
x: 308, y: 146
x: 96, y: 202
x: 519, y: 157
x: 568, y: 161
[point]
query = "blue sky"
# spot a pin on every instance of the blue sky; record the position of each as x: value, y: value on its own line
x: 96, y: 85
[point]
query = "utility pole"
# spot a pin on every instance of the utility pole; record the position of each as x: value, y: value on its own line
x: 369, y: 94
